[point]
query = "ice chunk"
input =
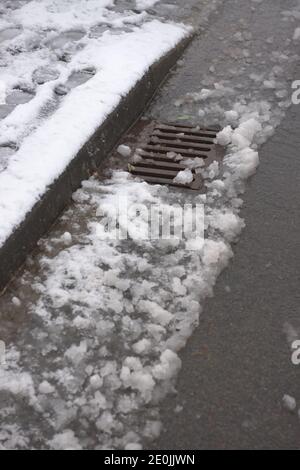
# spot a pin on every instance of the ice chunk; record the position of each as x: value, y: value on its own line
x: 243, y: 136
x: 176, y: 157
x: 16, y: 301
x: 77, y: 353
x: 231, y: 116
x: 184, y: 177
x: 134, y: 376
x: 142, y: 347
x: 65, y: 441
x: 96, y: 381
x: 45, y: 388
x: 296, y: 36
x: 243, y: 163
x: 194, y: 163
x: 124, y: 150
x: 168, y: 367
x: 66, y: 238
x: 224, y: 136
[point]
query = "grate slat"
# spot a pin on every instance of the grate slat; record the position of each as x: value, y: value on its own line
x: 205, y: 139
x: 179, y: 143
x: 186, y: 152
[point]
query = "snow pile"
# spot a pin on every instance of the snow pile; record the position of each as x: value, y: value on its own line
x: 67, y: 68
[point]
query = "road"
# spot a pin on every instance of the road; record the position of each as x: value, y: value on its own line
x: 70, y: 342
x: 237, y: 365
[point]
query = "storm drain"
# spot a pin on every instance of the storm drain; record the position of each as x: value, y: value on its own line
x: 171, y: 149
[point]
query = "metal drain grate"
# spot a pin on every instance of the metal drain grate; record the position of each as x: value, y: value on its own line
x: 169, y: 147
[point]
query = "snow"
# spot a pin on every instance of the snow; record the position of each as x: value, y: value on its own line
x: 109, y: 316
x: 224, y: 137
x: 144, y: 4
x: 194, y: 163
x: 156, y: 312
x: 2, y: 92
x: 15, y: 383
x: 184, y: 177
x: 65, y: 441
x: 142, y: 347
x: 178, y: 409
x: 16, y: 301
x: 133, y: 446
x: 243, y: 163
x: 65, y: 14
x: 76, y: 353
x: 46, y: 388
x: 296, y: 36
x: 96, y: 381
x: 66, y: 238
x: 169, y: 366
x: 73, y: 106
x: 131, y: 314
x: 124, y: 150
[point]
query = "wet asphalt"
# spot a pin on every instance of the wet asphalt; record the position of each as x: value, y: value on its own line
x: 237, y: 366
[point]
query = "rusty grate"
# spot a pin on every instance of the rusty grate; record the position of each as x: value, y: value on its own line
x: 168, y: 149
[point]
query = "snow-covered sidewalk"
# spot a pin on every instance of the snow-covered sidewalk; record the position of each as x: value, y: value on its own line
x: 65, y: 66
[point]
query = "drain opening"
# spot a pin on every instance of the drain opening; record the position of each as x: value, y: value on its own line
x: 172, y: 148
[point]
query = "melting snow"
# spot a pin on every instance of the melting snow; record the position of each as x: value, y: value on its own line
x: 56, y: 42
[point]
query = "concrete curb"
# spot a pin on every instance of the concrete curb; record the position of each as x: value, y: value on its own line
x: 37, y: 222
